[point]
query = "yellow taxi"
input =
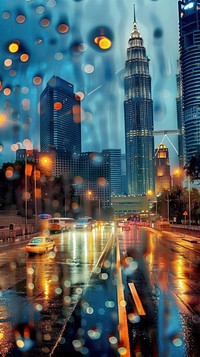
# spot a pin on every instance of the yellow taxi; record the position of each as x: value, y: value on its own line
x: 39, y: 245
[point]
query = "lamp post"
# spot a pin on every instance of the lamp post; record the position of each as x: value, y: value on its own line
x: 149, y: 195
x: 189, y: 200
x: 25, y: 193
x: 35, y: 194
x: 168, y: 207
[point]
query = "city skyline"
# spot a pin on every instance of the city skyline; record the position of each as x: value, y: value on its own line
x: 96, y: 74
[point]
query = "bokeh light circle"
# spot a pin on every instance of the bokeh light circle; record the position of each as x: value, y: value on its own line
x: 58, y: 105
x: 37, y: 80
x: 20, y: 19
x: 63, y: 28
x: 24, y: 57
x: 45, y: 22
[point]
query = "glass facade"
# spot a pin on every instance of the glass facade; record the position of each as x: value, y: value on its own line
x: 138, y: 112
x: 189, y: 30
x: 113, y: 159
x: 60, y: 122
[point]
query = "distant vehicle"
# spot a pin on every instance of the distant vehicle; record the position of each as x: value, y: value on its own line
x: 39, y: 245
x: 120, y: 223
x: 94, y: 223
x: 60, y: 224
x: 108, y: 225
x: 100, y: 223
x: 162, y: 223
x: 126, y: 226
x: 83, y: 223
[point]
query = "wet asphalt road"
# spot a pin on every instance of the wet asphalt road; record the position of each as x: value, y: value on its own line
x: 72, y: 296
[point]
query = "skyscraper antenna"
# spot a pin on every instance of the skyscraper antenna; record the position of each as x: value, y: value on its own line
x: 134, y: 13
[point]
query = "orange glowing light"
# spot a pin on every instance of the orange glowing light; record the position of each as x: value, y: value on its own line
x: 7, y: 91
x: 63, y: 28
x: 103, y: 42
x: 8, y: 62
x: 45, y: 160
x: 26, y: 196
x: 20, y: 19
x: 45, y: 22
x: 13, y: 47
x: 76, y: 109
x: 101, y: 181
x: 3, y: 120
x: 14, y: 147
x: 36, y: 175
x: 26, y: 143
x: 38, y: 192
x: 1, y: 148
x: 9, y: 172
x: 28, y: 170
x: 24, y: 57
x: 79, y: 95
x: 57, y: 105
x: 74, y: 206
x: 177, y: 172
x: 78, y: 180
x: 37, y: 80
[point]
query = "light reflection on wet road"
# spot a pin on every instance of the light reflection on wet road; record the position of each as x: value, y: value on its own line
x: 39, y: 294
x: 167, y: 279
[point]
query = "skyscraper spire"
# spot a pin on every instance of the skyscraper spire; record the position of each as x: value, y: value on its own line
x: 134, y: 22
x: 134, y: 33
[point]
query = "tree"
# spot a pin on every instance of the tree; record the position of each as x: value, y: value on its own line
x: 193, y: 168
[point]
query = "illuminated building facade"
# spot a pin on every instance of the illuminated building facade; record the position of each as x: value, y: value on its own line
x: 162, y: 169
x: 113, y: 159
x: 138, y: 113
x: 189, y: 38
x: 180, y: 118
x: 60, y: 124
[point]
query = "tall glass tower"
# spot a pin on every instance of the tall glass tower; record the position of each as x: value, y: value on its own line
x: 138, y: 112
x: 189, y: 37
x: 180, y: 117
x: 60, y: 122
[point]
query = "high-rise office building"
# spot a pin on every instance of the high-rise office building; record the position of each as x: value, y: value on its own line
x: 113, y: 159
x: 92, y: 180
x: 124, y: 176
x: 162, y: 169
x: 138, y: 112
x: 180, y: 118
x: 189, y: 37
x: 60, y: 122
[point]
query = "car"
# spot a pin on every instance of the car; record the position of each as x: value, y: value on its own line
x: 126, y: 226
x: 94, y: 223
x: 120, y: 224
x: 39, y: 245
x: 163, y: 223
x: 83, y: 223
x: 108, y: 225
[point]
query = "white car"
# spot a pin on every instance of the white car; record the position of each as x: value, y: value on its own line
x: 84, y: 223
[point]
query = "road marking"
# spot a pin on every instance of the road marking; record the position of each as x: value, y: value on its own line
x: 123, y: 325
x: 136, y: 299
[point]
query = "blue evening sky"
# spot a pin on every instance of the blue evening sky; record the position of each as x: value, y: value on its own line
x: 96, y: 74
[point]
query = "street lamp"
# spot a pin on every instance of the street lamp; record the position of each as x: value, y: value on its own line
x: 189, y: 200
x: 177, y: 177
